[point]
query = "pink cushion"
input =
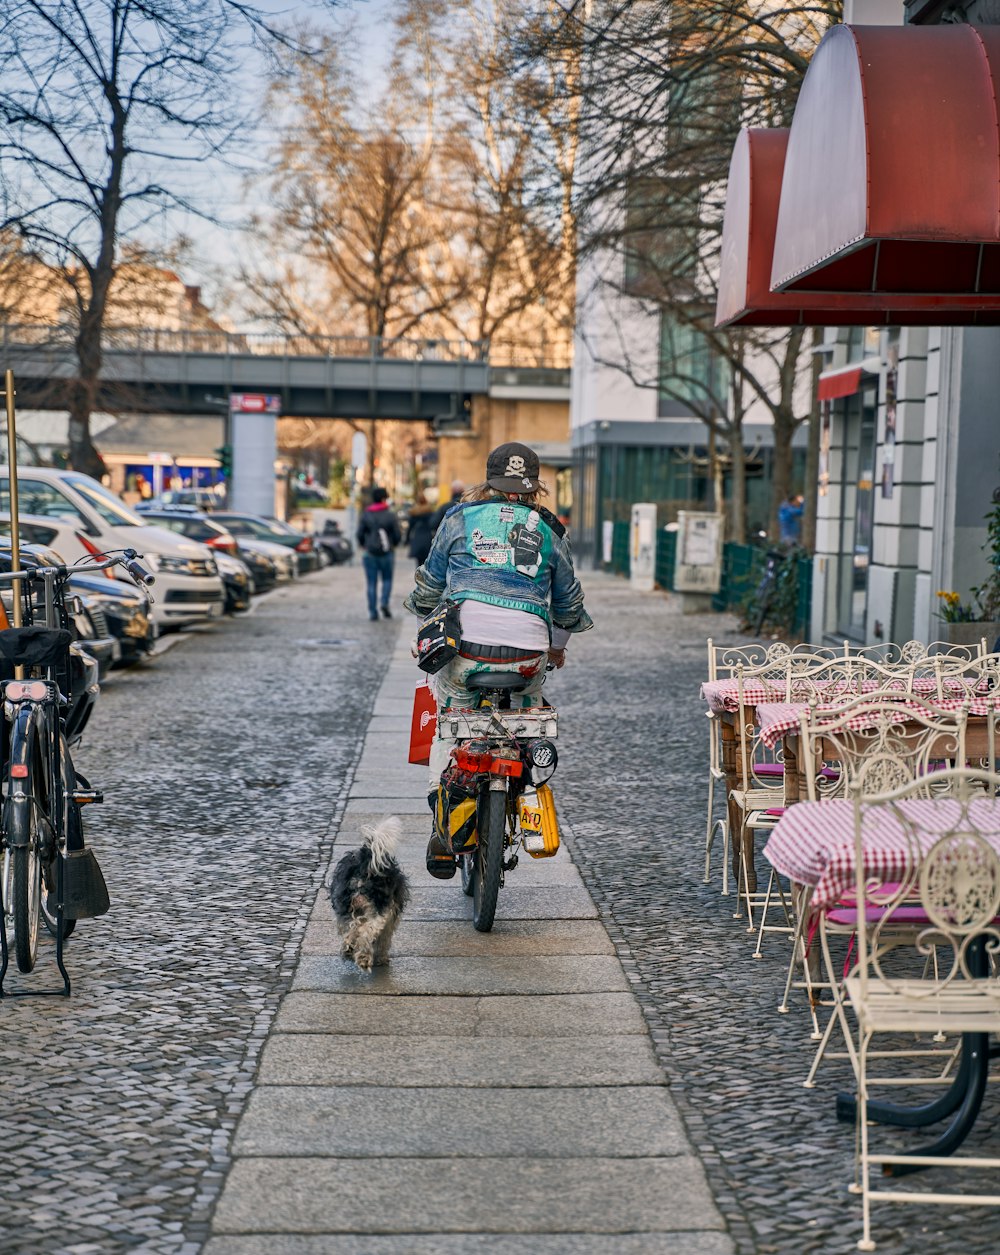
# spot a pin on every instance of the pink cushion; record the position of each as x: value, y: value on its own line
x: 775, y: 810
x: 848, y: 916
x: 768, y: 769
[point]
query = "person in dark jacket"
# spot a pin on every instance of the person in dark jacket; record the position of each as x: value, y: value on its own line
x: 420, y: 531
x: 457, y: 489
x: 378, y: 535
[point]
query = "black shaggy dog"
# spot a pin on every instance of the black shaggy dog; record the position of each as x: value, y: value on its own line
x: 369, y: 892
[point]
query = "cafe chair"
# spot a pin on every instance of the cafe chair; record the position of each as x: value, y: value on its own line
x: 866, y: 747
x: 767, y: 667
x: 942, y: 855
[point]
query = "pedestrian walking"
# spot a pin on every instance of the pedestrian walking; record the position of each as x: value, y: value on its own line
x: 419, y: 530
x: 378, y: 535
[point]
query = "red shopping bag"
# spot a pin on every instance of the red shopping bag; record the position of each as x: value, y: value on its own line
x: 423, y: 723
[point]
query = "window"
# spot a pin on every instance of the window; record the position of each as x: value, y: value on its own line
x: 36, y: 496
x: 691, y: 372
x: 111, y: 509
x: 661, y: 235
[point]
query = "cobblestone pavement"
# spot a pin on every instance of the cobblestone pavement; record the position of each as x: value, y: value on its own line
x: 223, y: 763
x: 632, y: 783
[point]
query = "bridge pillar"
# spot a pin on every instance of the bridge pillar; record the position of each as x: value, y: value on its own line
x: 253, y: 427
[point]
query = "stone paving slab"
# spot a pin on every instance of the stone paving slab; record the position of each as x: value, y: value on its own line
x: 379, y: 786
x: 558, y: 1015
x: 555, y: 902
x: 622, y: 1122
x: 317, y: 1059
x: 475, y: 977
x: 447, y: 939
x: 650, y: 1243
x: 362, y: 806
x: 601, y: 1196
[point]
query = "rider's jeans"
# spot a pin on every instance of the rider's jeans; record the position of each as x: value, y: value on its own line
x: 378, y: 565
x: 449, y: 690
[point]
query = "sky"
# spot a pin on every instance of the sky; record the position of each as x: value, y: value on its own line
x: 232, y: 196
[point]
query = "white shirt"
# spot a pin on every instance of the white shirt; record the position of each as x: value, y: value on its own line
x: 485, y: 624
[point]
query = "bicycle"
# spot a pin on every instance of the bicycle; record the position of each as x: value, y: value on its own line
x: 768, y: 586
x: 47, y: 871
x: 503, y: 760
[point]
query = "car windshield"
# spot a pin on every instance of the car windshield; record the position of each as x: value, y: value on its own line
x: 111, y: 508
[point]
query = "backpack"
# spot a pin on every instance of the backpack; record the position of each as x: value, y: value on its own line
x: 377, y: 540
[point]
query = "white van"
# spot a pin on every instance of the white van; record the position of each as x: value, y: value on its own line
x: 187, y: 585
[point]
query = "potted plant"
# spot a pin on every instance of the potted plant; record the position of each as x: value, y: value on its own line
x: 968, y: 622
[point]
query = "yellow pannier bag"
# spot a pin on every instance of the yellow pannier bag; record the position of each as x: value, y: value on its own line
x: 456, y: 820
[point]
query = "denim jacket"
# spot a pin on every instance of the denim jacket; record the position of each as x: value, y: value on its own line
x: 507, y: 554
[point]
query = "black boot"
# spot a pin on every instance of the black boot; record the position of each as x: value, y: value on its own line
x: 440, y: 860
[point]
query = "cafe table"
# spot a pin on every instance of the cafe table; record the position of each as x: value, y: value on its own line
x: 781, y: 721
x: 813, y: 844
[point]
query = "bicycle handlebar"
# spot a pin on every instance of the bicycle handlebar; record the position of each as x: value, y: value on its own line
x: 127, y: 558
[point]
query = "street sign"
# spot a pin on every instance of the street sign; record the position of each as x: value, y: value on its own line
x: 254, y: 403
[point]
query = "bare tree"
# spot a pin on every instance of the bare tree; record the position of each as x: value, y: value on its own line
x: 106, y: 106
x: 666, y: 87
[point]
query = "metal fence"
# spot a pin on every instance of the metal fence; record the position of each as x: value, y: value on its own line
x: 232, y: 343
x: 742, y: 570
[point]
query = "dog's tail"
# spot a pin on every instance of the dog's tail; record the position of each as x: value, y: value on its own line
x: 382, y: 839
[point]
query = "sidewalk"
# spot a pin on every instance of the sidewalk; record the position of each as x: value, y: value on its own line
x: 480, y: 1085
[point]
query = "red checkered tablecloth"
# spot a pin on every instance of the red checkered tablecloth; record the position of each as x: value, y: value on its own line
x: 723, y: 695
x: 777, y: 718
x: 813, y: 842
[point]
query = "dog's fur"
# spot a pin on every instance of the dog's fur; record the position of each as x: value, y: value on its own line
x: 369, y: 892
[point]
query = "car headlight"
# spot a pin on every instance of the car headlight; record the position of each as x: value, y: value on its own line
x: 181, y: 566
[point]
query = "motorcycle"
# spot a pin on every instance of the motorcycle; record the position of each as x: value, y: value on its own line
x: 334, y: 543
x: 494, y: 798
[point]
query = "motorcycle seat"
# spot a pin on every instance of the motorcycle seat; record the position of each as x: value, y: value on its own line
x: 511, y: 681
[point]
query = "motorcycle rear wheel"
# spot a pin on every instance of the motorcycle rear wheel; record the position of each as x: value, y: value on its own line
x: 491, y: 823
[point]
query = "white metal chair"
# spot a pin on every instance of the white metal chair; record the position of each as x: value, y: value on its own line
x: 945, y: 857
x: 873, y: 744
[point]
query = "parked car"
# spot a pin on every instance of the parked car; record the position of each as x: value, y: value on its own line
x: 254, y: 527
x: 263, y: 570
x: 237, y: 581
x: 309, y: 495
x: 120, y: 610
x: 285, y: 560
x: 206, y: 499
x: 189, y: 522
x: 188, y: 586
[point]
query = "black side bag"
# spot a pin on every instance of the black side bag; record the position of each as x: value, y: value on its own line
x: 438, y: 637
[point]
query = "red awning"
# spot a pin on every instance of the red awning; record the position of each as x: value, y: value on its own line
x: 745, y: 299
x: 839, y: 383
x: 892, y: 174
x: 752, y: 196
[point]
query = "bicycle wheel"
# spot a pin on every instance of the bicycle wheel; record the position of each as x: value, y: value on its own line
x: 491, y: 824
x: 764, y: 594
x: 27, y: 885
x: 467, y: 865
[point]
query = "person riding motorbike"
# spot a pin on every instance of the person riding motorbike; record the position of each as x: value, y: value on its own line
x: 507, y: 563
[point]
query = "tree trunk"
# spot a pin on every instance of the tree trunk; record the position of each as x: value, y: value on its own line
x: 83, y: 396
x: 781, y: 486
x: 738, y: 516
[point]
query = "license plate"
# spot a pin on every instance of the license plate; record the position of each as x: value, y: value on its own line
x: 530, y: 817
